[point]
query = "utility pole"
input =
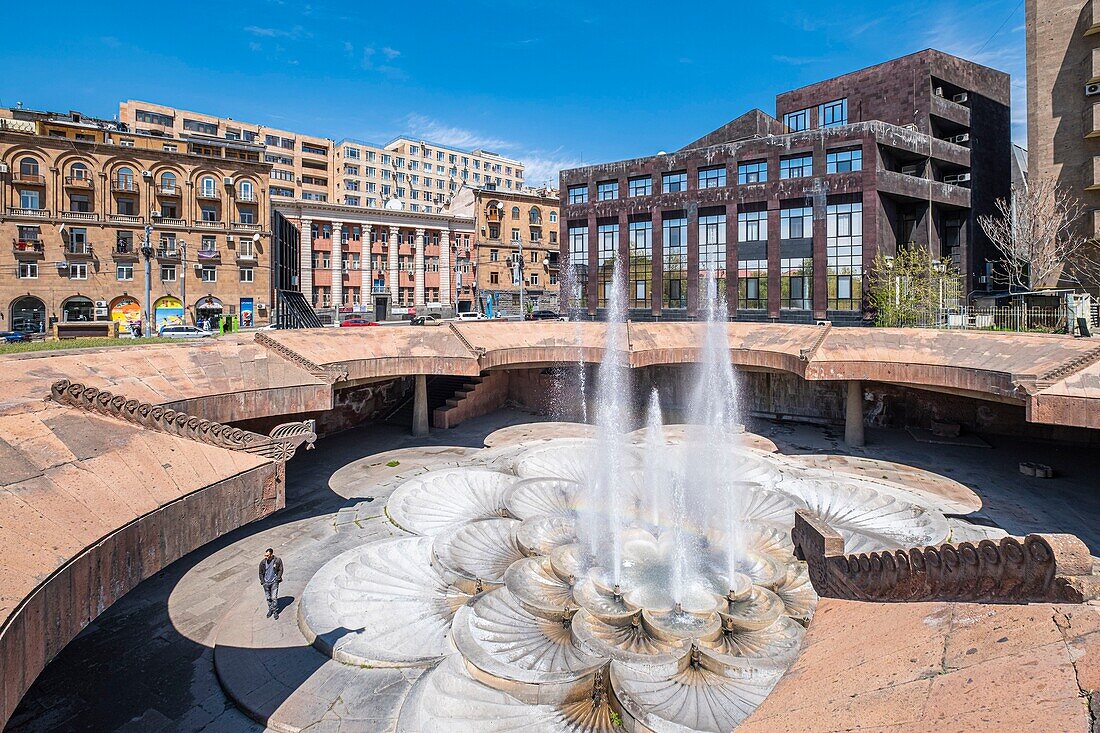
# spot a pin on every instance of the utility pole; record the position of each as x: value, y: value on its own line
x: 147, y: 253
x: 183, y: 278
x: 519, y: 270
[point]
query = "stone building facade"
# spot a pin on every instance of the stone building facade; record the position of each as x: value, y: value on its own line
x: 514, y: 233
x: 1063, y: 106
x: 421, y: 175
x: 382, y: 263
x: 77, y: 197
x: 788, y: 212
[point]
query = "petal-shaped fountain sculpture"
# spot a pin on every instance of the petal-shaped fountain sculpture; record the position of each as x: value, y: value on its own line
x: 431, y: 503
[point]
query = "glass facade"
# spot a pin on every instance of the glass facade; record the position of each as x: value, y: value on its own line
x: 578, y: 258
x: 796, y: 283
x: 641, y: 262
x: 752, y: 226
x: 675, y: 263
x: 844, y: 161
x: 844, y: 255
x: 712, y: 252
x: 752, y: 284
x: 796, y: 222
x: 607, y: 243
x: 796, y: 166
x: 753, y: 172
x: 640, y: 186
x: 713, y: 177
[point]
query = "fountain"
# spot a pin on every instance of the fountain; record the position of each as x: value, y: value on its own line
x: 621, y: 582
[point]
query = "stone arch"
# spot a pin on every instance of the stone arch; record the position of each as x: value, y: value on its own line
x: 27, y: 313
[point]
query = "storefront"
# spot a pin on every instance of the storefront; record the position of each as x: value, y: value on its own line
x: 28, y: 315
x: 78, y: 308
x: 208, y: 313
x: 126, y: 312
x: 167, y: 311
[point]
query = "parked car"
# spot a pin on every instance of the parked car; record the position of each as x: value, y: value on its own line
x: 470, y: 316
x: 545, y: 316
x: 356, y: 322
x: 14, y: 337
x: 184, y: 332
x: 425, y: 319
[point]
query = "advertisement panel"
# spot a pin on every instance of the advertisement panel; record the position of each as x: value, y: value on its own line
x: 168, y: 311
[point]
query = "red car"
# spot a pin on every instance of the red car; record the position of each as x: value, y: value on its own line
x: 353, y: 322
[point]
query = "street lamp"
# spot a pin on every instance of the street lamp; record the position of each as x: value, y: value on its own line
x: 147, y: 253
x: 182, y: 244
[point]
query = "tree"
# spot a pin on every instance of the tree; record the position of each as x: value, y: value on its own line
x: 912, y: 287
x: 1037, y: 235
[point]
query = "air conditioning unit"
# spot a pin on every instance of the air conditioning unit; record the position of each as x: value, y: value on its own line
x: 61, y: 265
x: 951, y: 179
x: 960, y: 139
x: 909, y: 170
x: 229, y: 238
x: 228, y: 180
x: 982, y: 280
x: 958, y: 178
x: 101, y: 304
x: 960, y: 98
x: 147, y: 174
x: 1091, y: 90
x: 3, y: 167
x: 155, y: 214
x: 100, y: 312
x: 938, y: 91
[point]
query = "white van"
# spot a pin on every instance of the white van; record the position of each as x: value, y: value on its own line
x: 470, y: 316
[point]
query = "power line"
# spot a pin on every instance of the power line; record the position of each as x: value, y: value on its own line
x: 1000, y: 27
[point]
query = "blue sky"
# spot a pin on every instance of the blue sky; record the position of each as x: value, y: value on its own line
x: 554, y: 84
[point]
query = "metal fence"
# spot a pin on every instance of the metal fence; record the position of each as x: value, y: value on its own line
x: 1001, y: 318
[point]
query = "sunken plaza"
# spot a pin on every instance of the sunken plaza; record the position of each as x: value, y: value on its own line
x: 555, y: 526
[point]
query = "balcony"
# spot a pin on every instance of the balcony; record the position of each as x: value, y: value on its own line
x: 170, y: 190
x: 246, y: 256
x: 948, y: 110
x: 204, y: 224
x: 124, y: 185
x: 240, y: 226
x: 916, y: 189
x: 78, y: 249
x: 246, y: 198
x: 209, y: 254
x: 170, y: 221
x: 125, y: 251
x: 27, y: 248
x: 79, y: 216
x: 78, y: 182
x: 29, y: 179
x: 28, y: 213
x: 208, y: 195
x: 125, y: 219
x: 168, y: 252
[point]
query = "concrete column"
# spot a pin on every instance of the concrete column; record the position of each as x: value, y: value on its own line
x: 305, y: 261
x: 366, y: 257
x: 853, y: 415
x: 337, y: 265
x: 445, y: 268
x: 393, y: 276
x: 418, y: 270
x: 420, y: 406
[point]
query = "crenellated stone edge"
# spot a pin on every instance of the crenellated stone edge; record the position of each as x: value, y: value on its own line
x: 280, y: 445
x: 1039, y: 568
x: 329, y: 374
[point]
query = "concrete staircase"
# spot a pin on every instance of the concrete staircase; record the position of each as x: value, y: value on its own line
x: 477, y: 396
x: 441, y: 388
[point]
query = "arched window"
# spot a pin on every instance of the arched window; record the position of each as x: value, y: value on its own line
x: 553, y: 217
x: 168, y: 181
x: 209, y: 186
x: 515, y: 212
x: 536, y: 215
x: 124, y: 179
x: 78, y: 172
x: 246, y: 191
x: 28, y: 167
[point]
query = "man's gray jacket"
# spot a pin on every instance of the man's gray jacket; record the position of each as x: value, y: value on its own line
x: 278, y: 569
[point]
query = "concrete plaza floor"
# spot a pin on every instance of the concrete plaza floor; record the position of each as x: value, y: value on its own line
x: 147, y: 663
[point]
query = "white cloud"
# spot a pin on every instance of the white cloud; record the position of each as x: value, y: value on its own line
x: 541, y: 169
x: 390, y: 53
x: 429, y: 129
x: 293, y: 33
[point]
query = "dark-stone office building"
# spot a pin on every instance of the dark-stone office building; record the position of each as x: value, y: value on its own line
x: 790, y: 211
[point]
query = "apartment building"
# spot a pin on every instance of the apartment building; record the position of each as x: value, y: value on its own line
x: 788, y: 212
x: 420, y: 175
x: 383, y: 263
x: 78, y: 196
x: 515, y: 241
x: 1063, y: 109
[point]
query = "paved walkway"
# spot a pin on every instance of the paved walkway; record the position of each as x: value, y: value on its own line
x: 146, y: 664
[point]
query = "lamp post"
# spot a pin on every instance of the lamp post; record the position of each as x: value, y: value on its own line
x: 147, y: 253
x: 182, y: 244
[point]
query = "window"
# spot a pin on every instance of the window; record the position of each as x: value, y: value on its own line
x: 78, y: 172
x: 844, y: 255
x: 124, y: 271
x: 578, y: 260
x: 534, y: 278
x: 578, y: 194
x: 246, y: 192
x: 641, y: 262
x: 796, y: 222
x: 494, y: 255
x: 126, y: 206
x: 607, y: 243
x: 553, y: 218
x: 168, y: 273
x: 675, y: 260
x: 607, y: 190
x: 515, y: 235
x: 209, y: 187
x: 844, y: 161
x: 208, y: 274
x: 674, y: 182
x: 80, y: 202
x: 534, y: 216
x: 313, y: 149
x: 205, y: 128
x: 247, y: 274
x: 713, y: 177
x: 246, y: 216
x: 796, y: 277
x: 640, y: 186
x: 712, y: 251
x: 350, y: 153
x: 796, y: 166
x: 168, y: 182
x: 494, y: 278
x: 78, y: 270
x: 752, y: 226
x: 752, y: 172
x: 28, y: 271
x: 209, y: 213
x: 752, y: 284
x: 29, y: 199
x: 28, y: 167
x: 833, y: 114
x: 797, y: 121
x: 153, y: 118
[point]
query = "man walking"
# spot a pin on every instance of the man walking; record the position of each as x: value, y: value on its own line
x: 271, y: 574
